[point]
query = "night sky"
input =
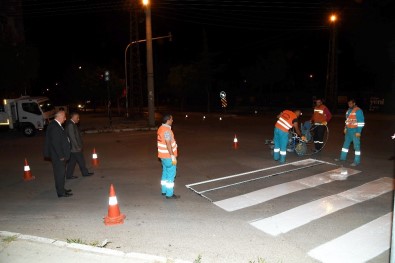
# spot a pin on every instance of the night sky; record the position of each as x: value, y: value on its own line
x: 88, y: 32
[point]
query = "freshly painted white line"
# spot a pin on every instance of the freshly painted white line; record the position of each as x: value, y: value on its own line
x: 301, y: 215
x: 297, y: 163
x: 358, y: 245
x: 258, y: 178
x: 304, y: 162
x: 269, y: 193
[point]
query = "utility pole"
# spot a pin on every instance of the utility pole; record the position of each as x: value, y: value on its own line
x: 331, y: 75
x: 150, y: 67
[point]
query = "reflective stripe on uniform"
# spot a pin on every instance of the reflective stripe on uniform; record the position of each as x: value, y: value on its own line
x: 283, y: 152
x: 345, y: 150
x: 284, y: 123
x: 169, y: 185
x: 162, y: 148
x: 276, y: 150
x: 357, y: 152
x: 161, y: 144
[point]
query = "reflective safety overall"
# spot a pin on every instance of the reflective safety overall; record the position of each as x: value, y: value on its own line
x: 280, y: 145
x: 168, y: 175
x: 168, y: 168
x: 350, y: 137
x: 355, y: 121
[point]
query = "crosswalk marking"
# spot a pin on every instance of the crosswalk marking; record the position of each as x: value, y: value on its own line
x: 373, y: 239
x: 216, y: 184
x: 269, y: 193
x: 297, y: 163
x: 301, y: 215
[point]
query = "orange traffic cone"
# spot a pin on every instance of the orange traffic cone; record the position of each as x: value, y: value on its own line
x: 235, y: 142
x: 27, y: 176
x: 95, y: 160
x: 114, y: 216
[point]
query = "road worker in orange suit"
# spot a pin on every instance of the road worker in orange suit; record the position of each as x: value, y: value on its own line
x: 167, y: 153
x: 320, y: 119
x: 286, y: 121
x: 355, y: 121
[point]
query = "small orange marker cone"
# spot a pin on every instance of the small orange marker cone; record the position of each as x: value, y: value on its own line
x: 235, y: 142
x: 114, y: 216
x: 95, y: 160
x: 27, y: 176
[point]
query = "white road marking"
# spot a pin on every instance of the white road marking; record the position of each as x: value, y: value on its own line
x: 301, y: 215
x: 297, y: 163
x: 372, y: 239
x: 269, y: 193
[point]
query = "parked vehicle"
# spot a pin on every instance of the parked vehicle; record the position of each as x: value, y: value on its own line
x: 26, y: 113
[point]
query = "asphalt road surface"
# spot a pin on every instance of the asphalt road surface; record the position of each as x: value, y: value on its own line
x: 236, y: 205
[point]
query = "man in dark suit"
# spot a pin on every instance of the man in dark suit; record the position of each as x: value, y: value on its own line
x: 57, y: 148
x: 76, y: 156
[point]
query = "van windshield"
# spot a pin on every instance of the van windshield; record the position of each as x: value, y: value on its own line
x: 46, y: 106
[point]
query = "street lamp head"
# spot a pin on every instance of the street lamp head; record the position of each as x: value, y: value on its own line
x: 333, y: 18
x: 145, y: 2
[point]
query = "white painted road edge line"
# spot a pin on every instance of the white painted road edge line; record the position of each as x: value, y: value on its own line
x: 105, y: 251
x: 269, y: 193
x: 358, y: 245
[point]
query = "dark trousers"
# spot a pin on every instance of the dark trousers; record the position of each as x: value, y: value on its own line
x: 59, y: 171
x: 76, y: 157
x: 319, y: 133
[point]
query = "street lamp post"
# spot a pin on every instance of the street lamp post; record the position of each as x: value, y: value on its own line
x: 126, y: 67
x: 150, y: 68
x: 331, y: 76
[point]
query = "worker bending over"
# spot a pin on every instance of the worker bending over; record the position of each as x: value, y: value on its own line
x: 286, y: 120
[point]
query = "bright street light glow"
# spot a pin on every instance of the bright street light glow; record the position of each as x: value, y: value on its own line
x: 333, y: 18
x: 145, y: 2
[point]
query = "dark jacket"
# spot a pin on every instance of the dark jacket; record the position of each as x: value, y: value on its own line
x: 57, y: 145
x: 74, y: 134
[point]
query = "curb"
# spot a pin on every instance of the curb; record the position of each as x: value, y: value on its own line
x: 89, y: 249
x: 120, y: 130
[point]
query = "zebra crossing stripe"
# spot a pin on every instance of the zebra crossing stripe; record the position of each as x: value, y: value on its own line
x: 297, y: 163
x: 372, y: 239
x: 301, y: 215
x: 269, y: 193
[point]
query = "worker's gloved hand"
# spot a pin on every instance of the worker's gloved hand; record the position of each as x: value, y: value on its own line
x: 303, y: 138
x: 358, y: 135
x: 173, y: 160
x: 345, y: 131
x: 324, y: 123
